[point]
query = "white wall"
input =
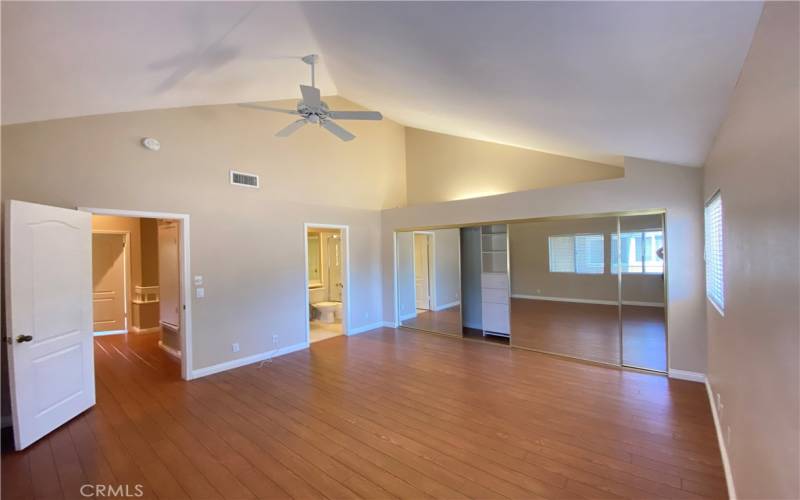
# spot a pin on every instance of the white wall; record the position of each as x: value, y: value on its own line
x: 754, y: 349
x: 446, y: 255
x: 646, y: 185
x: 248, y: 244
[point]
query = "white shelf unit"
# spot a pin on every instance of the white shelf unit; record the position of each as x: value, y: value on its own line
x: 495, y: 282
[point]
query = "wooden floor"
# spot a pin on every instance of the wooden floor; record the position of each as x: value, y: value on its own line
x: 591, y: 331
x: 389, y: 413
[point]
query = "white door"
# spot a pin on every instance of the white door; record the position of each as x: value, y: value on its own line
x: 335, y: 269
x: 169, y: 274
x: 422, y: 270
x: 49, y: 314
x: 108, y: 282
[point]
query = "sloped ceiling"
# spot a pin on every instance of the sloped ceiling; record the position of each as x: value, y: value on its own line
x: 594, y: 80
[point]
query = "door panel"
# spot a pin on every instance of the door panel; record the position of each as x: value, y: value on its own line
x: 108, y: 276
x: 421, y: 271
x: 49, y: 317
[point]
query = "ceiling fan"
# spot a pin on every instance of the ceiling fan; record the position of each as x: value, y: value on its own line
x: 312, y: 109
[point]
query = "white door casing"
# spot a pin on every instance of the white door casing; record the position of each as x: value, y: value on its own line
x: 335, y: 285
x: 48, y: 298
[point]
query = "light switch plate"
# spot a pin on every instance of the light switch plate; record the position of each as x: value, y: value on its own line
x: 200, y: 292
x: 198, y: 280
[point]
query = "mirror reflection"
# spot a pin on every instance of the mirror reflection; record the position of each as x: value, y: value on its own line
x: 564, y: 292
x: 429, y: 280
x: 641, y: 262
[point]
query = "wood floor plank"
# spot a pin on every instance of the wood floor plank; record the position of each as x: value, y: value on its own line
x: 386, y: 414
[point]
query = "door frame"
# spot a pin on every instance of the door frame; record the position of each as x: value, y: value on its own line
x: 126, y: 266
x: 344, y: 232
x: 185, y: 270
x: 431, y: 236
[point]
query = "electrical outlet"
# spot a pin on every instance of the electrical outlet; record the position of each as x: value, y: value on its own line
x: 275, y: 339
x: 366, y: 315
x: 235, y: 347
x: 719, y: 402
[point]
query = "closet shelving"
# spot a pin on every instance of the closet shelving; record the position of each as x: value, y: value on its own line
x: 495, y: 283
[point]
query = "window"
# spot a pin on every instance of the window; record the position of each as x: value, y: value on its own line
x: 715, y: 284
x: 577, y: 253
x: 641, y: 252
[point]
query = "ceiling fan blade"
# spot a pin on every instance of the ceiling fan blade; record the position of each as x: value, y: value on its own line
x: 338, y: 131
x: 267, y: 108
x: 291, y: 128
x: 311, y: 97
x: 355, y: 115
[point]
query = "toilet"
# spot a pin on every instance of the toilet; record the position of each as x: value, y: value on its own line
x: 328, y: 311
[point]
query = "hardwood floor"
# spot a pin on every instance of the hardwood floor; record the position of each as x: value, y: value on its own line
x: 591, y: 331
x: 389, y: 413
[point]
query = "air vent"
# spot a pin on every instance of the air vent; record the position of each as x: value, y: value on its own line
x: 243, y: 179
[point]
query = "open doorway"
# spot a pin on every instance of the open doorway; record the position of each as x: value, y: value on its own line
x: 326, y: 281
x: 139, y: 289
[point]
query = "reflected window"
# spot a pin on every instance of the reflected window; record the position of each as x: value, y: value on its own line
x: 640, y: 252
x: 577, y: 253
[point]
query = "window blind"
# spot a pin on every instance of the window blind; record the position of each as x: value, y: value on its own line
x: 714, y: 255
x: 589, y: 255
x: 561, y: 253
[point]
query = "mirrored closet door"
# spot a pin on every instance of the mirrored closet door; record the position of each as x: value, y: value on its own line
x: 429, y: 280
x: 642, y: 266
x: 564, y: 294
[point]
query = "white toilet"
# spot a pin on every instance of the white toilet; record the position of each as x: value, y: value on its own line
x: 328, y: 311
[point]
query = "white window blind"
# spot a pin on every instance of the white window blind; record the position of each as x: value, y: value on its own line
x: 577, y: 253
x: 589, y: 255
x: 639, y: 252
x: 715, y: 284
x: 561, y: 250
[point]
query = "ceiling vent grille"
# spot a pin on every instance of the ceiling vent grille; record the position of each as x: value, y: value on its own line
x: 244, y: 179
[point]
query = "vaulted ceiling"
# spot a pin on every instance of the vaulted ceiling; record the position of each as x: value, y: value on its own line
x: 594, y: 80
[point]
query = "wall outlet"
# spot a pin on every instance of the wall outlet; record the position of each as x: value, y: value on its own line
x: 198, y: 280
x: 366, y: 315
x: 235, y: 347
x: 538, y: 291
x: 200, y: 292
x: 275, y: 340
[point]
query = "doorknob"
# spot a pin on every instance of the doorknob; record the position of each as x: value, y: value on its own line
x: 24, y: 338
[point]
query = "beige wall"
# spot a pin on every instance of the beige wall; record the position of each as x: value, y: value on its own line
x: 443, y: 168
x: 248, y: 244
x: 754, y: 350
x: 530, y: 263
x: 646, y: 185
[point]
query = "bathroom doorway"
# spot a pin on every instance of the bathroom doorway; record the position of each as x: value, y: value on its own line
x: 326, y: 281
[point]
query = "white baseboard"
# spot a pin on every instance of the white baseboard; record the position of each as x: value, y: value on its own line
x: 365, y: 328
x: 687, y: 375
x: 154, y: 329
x: 236, y: 363
x: 389, y: 324
x: 446, y: 306
x: 176, y: 353
x: 408, y: 316
x: 586, y: 301
x: 726, y: 464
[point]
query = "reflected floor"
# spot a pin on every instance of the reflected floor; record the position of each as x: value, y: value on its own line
x: 590, y: 331
x: 322, y: 331
x: 447, y: 321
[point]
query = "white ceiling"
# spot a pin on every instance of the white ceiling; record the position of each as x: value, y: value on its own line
x: 595, y: 80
